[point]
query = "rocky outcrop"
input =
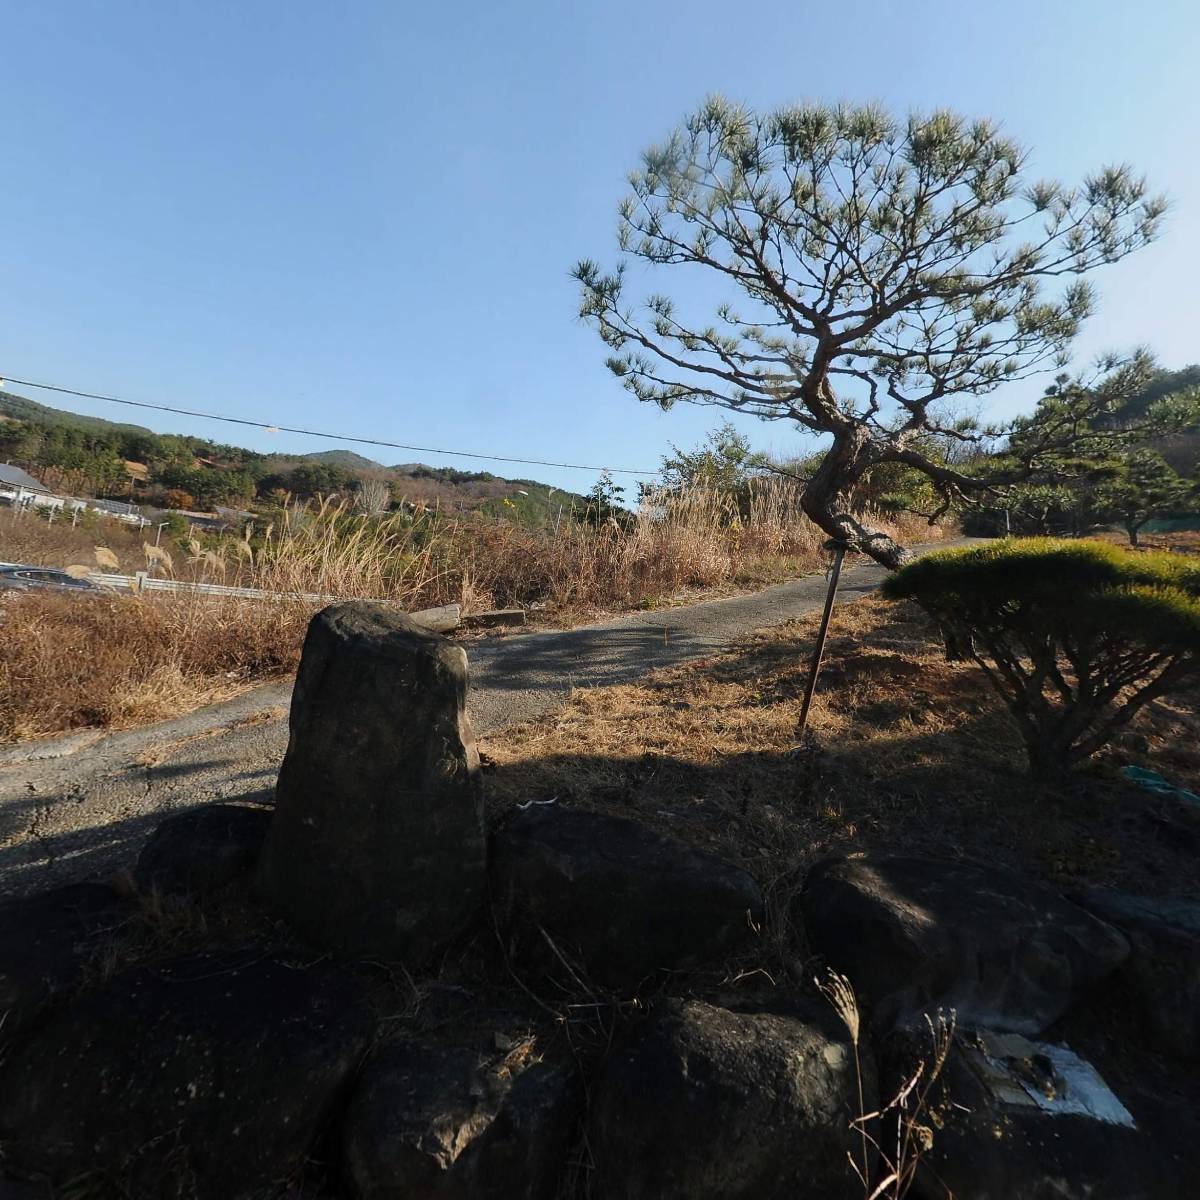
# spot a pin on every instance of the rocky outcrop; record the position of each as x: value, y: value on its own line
x: 1163, y: 972
x: 46, y: 943
x: 202, y: 850
x: 227, y: 1076
x: 914, y: 933
x: 700, y: 1103
x: 377, y: 845
x: 432, y: 1123
x: 623, y: 901
x: 1008, y: 1119
x: 209, y: 1077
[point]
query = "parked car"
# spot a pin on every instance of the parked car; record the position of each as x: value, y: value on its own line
x: 28, y: 579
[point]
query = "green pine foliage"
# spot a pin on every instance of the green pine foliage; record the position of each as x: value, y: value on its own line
x: 1075, y: 636
x: 867, y: 271
x: 1092, y: 456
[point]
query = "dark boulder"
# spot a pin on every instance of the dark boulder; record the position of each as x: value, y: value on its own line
x: 624, y: 900
x: 377, y: 845
x: 46, y: 943
x: 209, y: 1077
x: 431, y: 1123
x: 203, y: 849
x: 1010, y: 1119
x: 913, y: 934
x: 1163, y: 972
x: 15, y: 1189
x: 701, y: 1103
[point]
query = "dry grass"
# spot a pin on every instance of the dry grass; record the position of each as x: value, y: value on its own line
x: 27, y: 537
x: 68, y: 662
x: 677, y: 543
x: 1179, y: 541
x: 117, y: 661
x: 915, y: 755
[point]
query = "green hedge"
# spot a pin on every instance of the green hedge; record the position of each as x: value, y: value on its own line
x: 1076, y: 636
x: 1155, y: 596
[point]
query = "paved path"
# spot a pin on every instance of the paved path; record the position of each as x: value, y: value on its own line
x: 82, y: 805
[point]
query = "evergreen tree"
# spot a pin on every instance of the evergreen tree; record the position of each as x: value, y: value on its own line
x: 878, y: 270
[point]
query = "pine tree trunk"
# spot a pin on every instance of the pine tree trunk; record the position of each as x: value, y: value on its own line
x: 826, y: 500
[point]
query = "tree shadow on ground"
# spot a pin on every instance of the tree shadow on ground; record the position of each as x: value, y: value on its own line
x: 41, y: 850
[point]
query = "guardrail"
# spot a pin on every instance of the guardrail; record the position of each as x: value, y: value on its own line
x: 142, y: 581
x: 443, y: 619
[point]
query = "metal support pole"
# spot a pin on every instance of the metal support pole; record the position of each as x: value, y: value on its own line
x: 839, y: 552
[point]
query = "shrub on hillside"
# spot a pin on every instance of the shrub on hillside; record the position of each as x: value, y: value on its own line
x: 1075, y: 636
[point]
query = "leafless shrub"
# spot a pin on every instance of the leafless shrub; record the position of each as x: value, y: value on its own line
x: 899, y: 1131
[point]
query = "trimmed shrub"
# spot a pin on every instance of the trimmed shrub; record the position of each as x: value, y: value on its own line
x: 1076, y: 636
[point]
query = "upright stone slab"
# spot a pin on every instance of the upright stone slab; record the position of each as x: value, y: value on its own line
x: 377, y: 845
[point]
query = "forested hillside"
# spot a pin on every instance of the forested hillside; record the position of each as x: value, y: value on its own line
x: 89, y: 456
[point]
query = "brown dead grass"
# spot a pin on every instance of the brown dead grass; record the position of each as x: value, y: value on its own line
x: 118, y: 661
x: 915, y: 755
x: 27, y: 537
x: 68, y: 662
x: 1179, y: 541
x: 678, y: 545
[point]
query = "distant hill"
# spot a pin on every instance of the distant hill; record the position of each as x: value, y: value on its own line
x: 93, y: 456
x: 22, y: 408
x: 340, y: 458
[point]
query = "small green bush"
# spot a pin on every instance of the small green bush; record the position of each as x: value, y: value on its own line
x: 1075, y: 636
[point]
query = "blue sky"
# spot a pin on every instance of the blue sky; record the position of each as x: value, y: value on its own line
x: 362, y: 216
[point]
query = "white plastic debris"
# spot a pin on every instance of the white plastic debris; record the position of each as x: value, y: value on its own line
x: 1054, y: 1079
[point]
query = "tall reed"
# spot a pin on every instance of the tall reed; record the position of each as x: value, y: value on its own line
x: 122, y: 659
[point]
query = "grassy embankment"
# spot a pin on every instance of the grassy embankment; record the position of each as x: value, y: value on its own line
x: 913, y: 753
x: 67, y: 661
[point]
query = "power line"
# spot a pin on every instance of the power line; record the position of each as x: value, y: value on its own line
x: 271, y: 427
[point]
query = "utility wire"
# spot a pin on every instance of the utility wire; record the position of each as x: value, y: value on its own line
x: 337, y: 437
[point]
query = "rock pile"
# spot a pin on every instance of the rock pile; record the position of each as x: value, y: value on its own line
x: 207, y: 1076
x: 455, y: 1121
x: 623, y: 901
x: 701, y: 1103
x: 295, y: 1060
x: 915, y: 934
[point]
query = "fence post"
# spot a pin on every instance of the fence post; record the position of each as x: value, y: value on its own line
x: 839, y: 552
x: 140, y: 581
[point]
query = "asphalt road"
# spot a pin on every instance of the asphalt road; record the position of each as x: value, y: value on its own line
x: 82, y: 805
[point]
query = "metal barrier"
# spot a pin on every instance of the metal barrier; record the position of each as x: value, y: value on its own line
x: 144, y: 582
x: 443, y: 619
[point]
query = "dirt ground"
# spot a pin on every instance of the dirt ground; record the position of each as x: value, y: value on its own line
x: 912, y: 754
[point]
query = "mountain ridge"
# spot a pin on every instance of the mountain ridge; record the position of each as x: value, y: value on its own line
x: 107, y: 453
